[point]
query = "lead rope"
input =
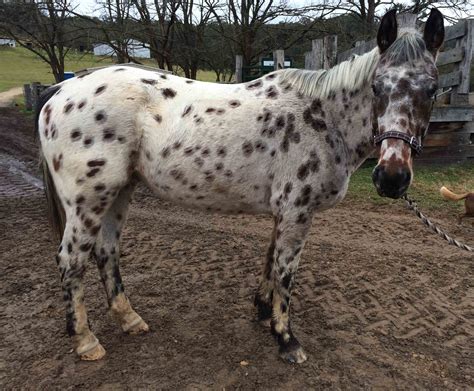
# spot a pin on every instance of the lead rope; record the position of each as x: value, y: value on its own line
x: 411, y: 204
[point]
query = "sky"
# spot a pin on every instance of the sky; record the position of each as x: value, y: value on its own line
x: 90, y: 7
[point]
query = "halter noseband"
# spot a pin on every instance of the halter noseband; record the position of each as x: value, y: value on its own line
x: 412, y: 141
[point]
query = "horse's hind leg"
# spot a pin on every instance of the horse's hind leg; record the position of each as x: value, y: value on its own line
x: 107, y: 254
x: 264, y: 295
x: 78, y: 238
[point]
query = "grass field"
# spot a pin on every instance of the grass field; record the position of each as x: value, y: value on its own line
x: 425, y: 188
x: 19, y: 66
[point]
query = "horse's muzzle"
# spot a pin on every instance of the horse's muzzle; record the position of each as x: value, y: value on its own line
x: 391, y: 184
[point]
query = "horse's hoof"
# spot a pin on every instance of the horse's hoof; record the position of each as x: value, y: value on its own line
x: 139, y: 327
x: 96, y: 353
x: 294, y: 356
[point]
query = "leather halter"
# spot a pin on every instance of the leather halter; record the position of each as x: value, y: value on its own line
x: 412, y: 141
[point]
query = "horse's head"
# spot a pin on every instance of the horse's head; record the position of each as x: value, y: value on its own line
x: 404, y: 86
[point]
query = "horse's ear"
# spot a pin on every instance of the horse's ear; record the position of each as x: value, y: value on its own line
x: 434, y: 31
x: 387, y: 31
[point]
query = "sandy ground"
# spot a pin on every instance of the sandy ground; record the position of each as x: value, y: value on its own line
x: 7, y: 97
x: 379, y: 303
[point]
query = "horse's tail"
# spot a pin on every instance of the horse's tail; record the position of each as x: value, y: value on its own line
x: 449, y: 195
x: 56, y: 215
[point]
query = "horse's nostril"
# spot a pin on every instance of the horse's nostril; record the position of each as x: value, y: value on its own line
x: 406, y: 177
x: 376, y: 175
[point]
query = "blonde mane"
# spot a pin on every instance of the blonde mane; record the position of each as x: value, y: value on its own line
x: 355, y: 72
x: 350, y: 74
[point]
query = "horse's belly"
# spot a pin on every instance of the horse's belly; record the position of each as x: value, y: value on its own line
x: 219, y: 190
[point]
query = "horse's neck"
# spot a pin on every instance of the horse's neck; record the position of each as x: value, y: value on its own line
x: 352, y: 116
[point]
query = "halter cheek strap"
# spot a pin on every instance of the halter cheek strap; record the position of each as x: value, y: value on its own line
x: 412, y: 141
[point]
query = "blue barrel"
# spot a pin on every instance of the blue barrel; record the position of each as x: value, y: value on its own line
x: 68, y: 75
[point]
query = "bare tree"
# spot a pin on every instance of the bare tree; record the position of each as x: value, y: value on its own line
x: 157, y: 20
x: 368, y: 12
x: 190, y: 36
x: 116, y: 27
x: 41, y: 27
x: 247, y: 19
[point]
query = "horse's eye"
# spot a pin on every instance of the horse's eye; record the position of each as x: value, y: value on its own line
x: 432, y: 91
x: 375, y: 89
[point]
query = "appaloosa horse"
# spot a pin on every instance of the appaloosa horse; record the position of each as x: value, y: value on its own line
x: 285, y: 144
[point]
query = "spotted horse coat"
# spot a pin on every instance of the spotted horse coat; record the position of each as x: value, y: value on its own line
x: 285, y: 145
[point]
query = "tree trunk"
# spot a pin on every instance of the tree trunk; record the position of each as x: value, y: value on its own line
x: 194, y: 71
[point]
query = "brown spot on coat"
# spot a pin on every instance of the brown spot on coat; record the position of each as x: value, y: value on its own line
x: 108, y: 134
x: 100, y: 89
x: 151, y: 82
x: 68, y: 108
x: 92, y: 172
x: 76, y: 134
x: 247, y: 148
x: 158, y: 118
x: 57, y: 162
x: 188, y: 151
x: 271, y: 92
x: 254, y: 85
x: 88, y: 141
x: 222, y: 151
x: 168, y: 93
x: 96, y: 163
x: 187, y: 110
x: 100, y: 116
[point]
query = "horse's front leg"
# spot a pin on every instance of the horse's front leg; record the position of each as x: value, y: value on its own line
x: 291, y: 231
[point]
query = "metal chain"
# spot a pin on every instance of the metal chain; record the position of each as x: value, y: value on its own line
x: 411, y: 204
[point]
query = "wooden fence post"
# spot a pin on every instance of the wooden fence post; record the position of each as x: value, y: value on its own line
x: 28, y: 97
x: 467, y: 44
x: 278, y: 59
x: 239, y: 62
x: 308, y: 64
x: 330, y: 51
x: 317, y: 54
x: 35, y: 92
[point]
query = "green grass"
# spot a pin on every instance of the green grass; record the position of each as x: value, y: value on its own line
x: 19, y: 66
x: 425, y: 187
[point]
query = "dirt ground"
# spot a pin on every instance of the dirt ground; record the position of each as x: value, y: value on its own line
x: 6, y: 97
x: 380, y: 303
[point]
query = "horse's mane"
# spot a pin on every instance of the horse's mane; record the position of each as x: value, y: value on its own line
x: 357, y: 71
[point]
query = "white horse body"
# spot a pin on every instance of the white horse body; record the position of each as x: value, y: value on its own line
x: 189, y: 146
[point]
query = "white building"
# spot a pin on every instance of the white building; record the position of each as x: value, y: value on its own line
x: 7, y: 42
x: 135, y: 49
